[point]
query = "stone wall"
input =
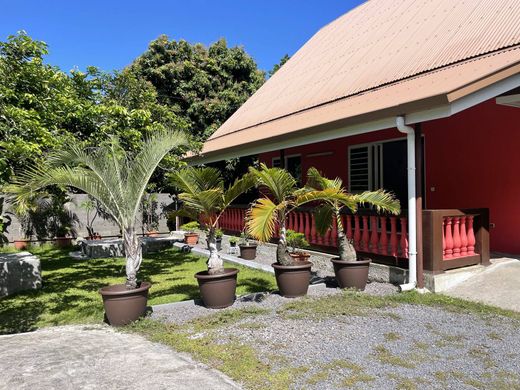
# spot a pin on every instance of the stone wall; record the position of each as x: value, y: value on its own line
x: 106, y: 228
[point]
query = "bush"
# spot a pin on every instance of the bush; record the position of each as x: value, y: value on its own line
x: 296, y: 240
x: 190, y: 226
x: 233, y: 240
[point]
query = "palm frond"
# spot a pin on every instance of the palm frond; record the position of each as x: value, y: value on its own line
x: 380, y: 199
x: 261, y: 219
x: 240, y: 186
x: 323, y: 218
x: 279, y: 182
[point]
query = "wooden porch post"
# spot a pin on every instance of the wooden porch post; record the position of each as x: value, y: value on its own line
x: 419, y: 202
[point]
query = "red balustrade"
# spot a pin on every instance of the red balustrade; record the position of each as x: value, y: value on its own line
x: 458, y: 237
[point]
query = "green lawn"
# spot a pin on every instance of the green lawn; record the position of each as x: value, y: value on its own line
x: 70, y: 290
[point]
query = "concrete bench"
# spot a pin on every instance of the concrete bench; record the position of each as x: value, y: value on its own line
x: 19, y: 272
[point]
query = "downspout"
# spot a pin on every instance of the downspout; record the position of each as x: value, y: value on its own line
x: 412, y: 215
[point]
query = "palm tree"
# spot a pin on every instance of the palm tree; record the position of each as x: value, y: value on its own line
x: 111, y: 175
x: 205, y: 197
x: 281, y: 196
x: 335, y: 199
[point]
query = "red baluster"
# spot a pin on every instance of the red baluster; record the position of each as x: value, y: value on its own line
x: 365, y: 235
x: 334, y: 233
x: 296, y: 224
x: 471, y: 235
x: 456, y: 237
x: 357, y: 233
x: 384, y: 237
x: 243, y: 219
x: 302, y: 223
x: 326, y: 239
x: 307, y: 226
x: 349, y: 227
x: 393, y: 236
x: 374, y: 236
x: 313, y: 229
x: 449, y: 239
x: 404, y: 238
x: 463, y: 237
x: 443, y: 238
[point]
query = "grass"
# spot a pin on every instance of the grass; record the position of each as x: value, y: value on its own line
x: 70, y: 287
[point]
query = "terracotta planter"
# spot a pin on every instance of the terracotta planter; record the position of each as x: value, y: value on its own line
x: 153, y: 233
x: 191, y: 238
x: 351, y: 274
x: 63, y: 242
x: 123, y: 306
x: 21, y: 244
x: 293, y: 280
x: 300, y: 256
x: 218, y: 291
x: 248, y: 252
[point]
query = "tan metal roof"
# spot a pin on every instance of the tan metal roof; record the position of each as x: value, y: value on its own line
x: 382, y: 54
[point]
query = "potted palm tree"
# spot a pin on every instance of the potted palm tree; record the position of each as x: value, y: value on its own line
x: 118, y: 180
x: 205, y: 198
x: 268, y: 214
x: 349, y: 270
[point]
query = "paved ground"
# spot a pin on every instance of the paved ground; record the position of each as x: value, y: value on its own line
x: 498, y: 285
x: 98, y: 357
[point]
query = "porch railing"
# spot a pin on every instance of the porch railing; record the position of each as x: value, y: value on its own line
x: 451, y: 238
x: 455, y: 238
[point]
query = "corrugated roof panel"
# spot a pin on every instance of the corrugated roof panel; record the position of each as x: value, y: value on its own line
x: 378, y: 43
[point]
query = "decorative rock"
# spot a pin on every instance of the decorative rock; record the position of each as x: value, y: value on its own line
x: 19, y: 272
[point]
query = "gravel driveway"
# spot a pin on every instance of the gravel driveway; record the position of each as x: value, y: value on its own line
x: 402, y: 346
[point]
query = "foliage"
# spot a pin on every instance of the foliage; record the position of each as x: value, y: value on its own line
x: 204, y: 86
x: 70, y: 294
x: 115, y: 177
x: 233, y: 240
x: 296, y: 240
x: 43, y: 108
x: 190, y: 226
x: 335, y: 198
x: 219, y: 233
x: 5, y: 222
x: 277, y: 66
x: 93, y: 209
x: 205, y: 197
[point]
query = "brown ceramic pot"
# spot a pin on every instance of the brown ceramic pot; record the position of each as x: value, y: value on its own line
x: 248, y: 252
x: 123, y: 306
x: 63, y: 242
x: 351, y: 274
x: 293, y: 280
x: 218, y: 291
x: 191, y: 238
x: 300, y: 256
x: 21, y: 244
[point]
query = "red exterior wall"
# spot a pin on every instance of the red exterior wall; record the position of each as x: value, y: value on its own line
x: 472, y: 160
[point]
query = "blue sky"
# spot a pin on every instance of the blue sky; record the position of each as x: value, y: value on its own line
x: 111, y: 33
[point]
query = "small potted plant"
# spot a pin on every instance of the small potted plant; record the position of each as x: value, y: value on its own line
x: 247, y: 247
x: 191, y: 237
x: 296, y: 241
x: 350, y: 271
x: 233, y: 241
x: 63, y: 238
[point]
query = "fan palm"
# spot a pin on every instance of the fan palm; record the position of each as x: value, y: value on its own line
x: 281, y: 196
x: 335, y: 199
x: 114, y: 177
x: 205, y: 197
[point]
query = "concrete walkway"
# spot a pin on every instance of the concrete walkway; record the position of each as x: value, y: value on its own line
x: 498, y: 285
x: 98, y: 357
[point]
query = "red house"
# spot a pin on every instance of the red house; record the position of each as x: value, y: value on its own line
x: 420, y: 98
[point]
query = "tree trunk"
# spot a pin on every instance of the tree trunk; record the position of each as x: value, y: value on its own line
x: 282, y: 256
x: 347, y: 252
x: 134, y: 256
x: 215, y: 263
